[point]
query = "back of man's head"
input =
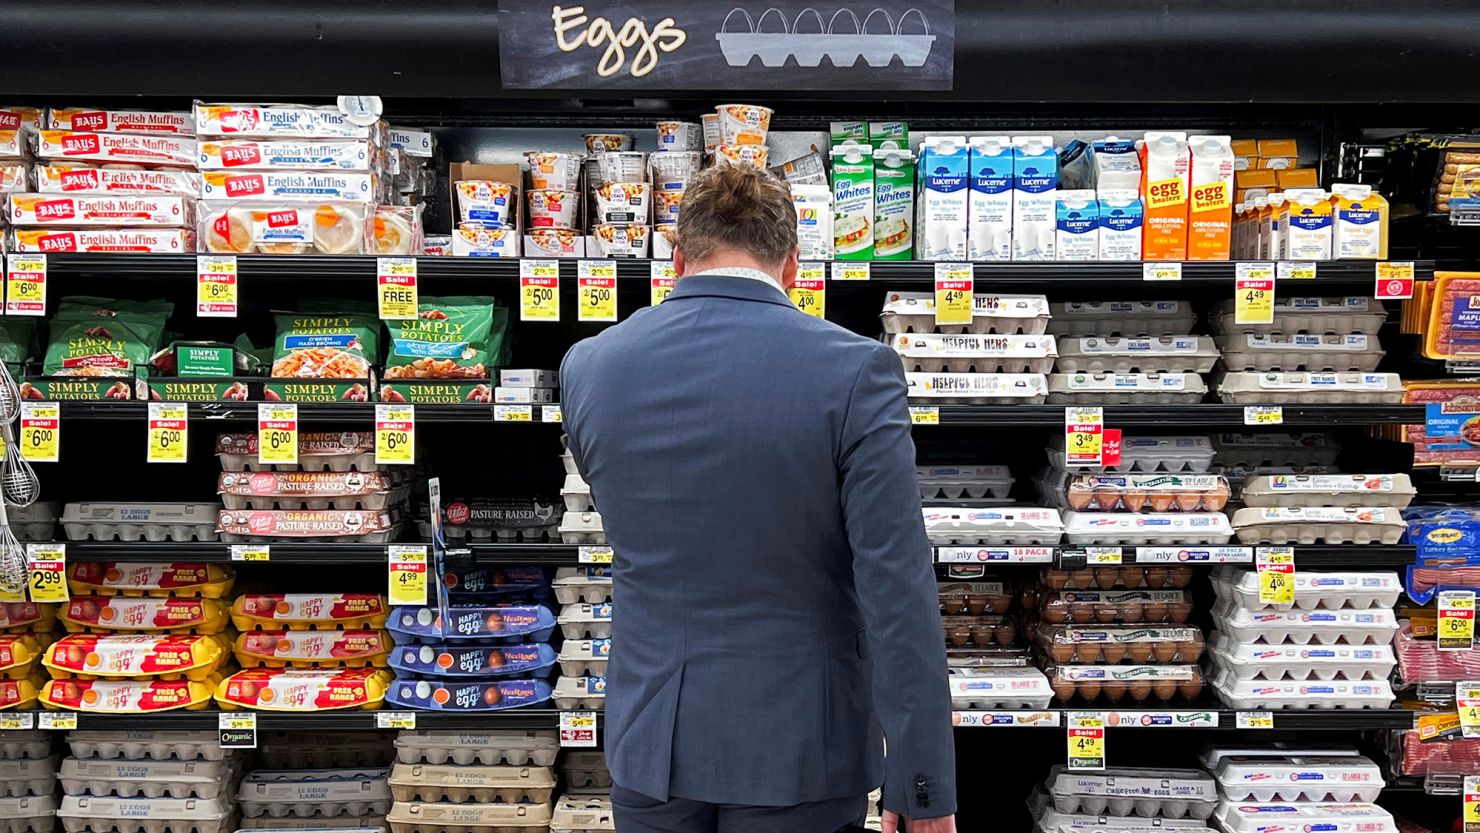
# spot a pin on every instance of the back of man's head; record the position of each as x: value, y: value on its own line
x: 733, y: 210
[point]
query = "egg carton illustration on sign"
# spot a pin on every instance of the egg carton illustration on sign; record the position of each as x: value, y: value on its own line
x: 878, y: 39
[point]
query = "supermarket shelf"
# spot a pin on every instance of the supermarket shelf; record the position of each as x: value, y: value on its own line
x: 307, y: 412
x: 1191, y: 718
x: 338, y: 721
x: 1200, y: 415
x: 308, y: 553
x: 1343, y: 556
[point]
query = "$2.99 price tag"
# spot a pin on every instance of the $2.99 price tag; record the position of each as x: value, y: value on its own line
x: 596, y: 282
x: 1456, y: 620
x: 1086, y: 740
x: 1276, y: 568
x: 664, y: 276
x: 395, y: 434
x: 955, y: 285
x: 1253, y: 293
x: 408, y: 574
x: 169, y: 432
x: 809, y: 291
x: 215, y: 286
x: 41, y: 431
x: 46, y: 572
x: 539, y: 290
x: 395, y: 280
x: 25, y: 284
x: 277, y: 433
x: 1084, y: 436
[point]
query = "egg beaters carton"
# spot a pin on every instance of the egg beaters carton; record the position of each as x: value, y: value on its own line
x: 1077, y: 225
x: 1210, y: 211
x: 942, y: 175
x: 990, y: 201
x: 1361, y: 229
x: 1035, y: 182
x: 1165, y: 167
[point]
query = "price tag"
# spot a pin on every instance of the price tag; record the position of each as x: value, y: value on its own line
x: 57, y: 721
x: 955, y: 286
x: 395, y: 279
x: 1103, y: 555
x: 1456, y: 620
x: 809, y: 291
x: 1394, y: 281
x: 46, y: 571
x: 41, y: 431
x: 17, y: 721
x: 238, y: 730
x: 395, y: 434
x: 1287, y: 270
x: 539, y: 290
x: 25, y: 284
x: 850, y: 270
x: 215, y: 286
x: 251, y: 552
x: 594, y: 555
x: 1264, y: 415
x: 1253, y: 293
x: 924, y: 415
x: 1086, y: 740
x: 1254, y: 720
x: 1276, y: 568
x: 1161, y: 271
x: 169, y: 432
x: 578, y: 729
x: 596, y: 281
x: 551, y: 413
x: 1083, y: 436
x: 1471, y: 811
x: 277, y: 434
x: 513, y: 413
x: 395, y: 720
x: 663, y: 277
x: 1467, y: 703
x: 408, y: 574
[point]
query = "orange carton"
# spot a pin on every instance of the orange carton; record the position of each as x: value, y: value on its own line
x: 1210, y: 214
x: 1253, y: 183
x: 1278, y: 154
x: 1165, y: 167
x: 1297, y: 178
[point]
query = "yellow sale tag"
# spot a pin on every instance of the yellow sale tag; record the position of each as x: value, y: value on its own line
x: 954, y: 286
x: 809, y: 291
x: 395, y: 434
x: 1467, y: 703
x: 277, y: 434
x: 594, y: 555
x: 1086, y: 740
x: 251, y: 552
x: 168, y: 432
x: 1456, y: 620
x: 1254, y: 720
x: 395, y: 279
x: 1287, y: 270
x: 1253, y: 293
x: 1264, y: 414
x: 16, y: 721
x: 25, y: 285
x: 408, y: 574
x: 539, y: 290
x: 395, y: 720
x: 596, y: 283
x: 1276, y: 567
x: 924, y: 415
x: 664, y: 276
x: 46, y: 569
x: 1169, y: 271
x: 41, y: 431
x: 215, y: 286
x: 1472, y: 803
x: 1084, y: 434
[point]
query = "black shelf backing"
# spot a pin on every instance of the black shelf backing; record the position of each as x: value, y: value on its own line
x: 309, y: 553
x: 353, y: 720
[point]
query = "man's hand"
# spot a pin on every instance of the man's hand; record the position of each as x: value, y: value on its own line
x: 944, y: 824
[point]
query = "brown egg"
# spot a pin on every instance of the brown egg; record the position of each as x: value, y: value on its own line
x: 1133, y: 501
x: 1063, y: 689
x: 491, y: 696
x: 246, y: 691
x: 1089, y: 689
x: 959, y: 636
x: 75, y: 655
x: 1105, y: 613
x: 1140, y: 690
x: 1006, y: 633
x: 90, y: 609
x: 1113, y: 652
x: 1082, y: 579
x: 1079, y: 497
x: 1179, y: 612
x: 1062, y: 652
x: 1190, y: 688
x: 1139, y: 652
x: 1105, y: 577
x: 1166, y: 651
x: 1190, y: 650
x: 1188, y: 501
x: 1180, y: 577
x: 70, y: 692
x: 1132, y: 577
x: 1131, y: 611
x: 1165, y: 689
x: 1030, y: 630
x: 1156, y: 577
x: 1113, y: 690
x: 976, y: 603
x: 1160, y: 501
x: 1056, y: 579
x: 1216, y: 499
x: 1154, y: 612
x: 1081, y: 612
x: 1028, y: 597
x: 999, y: 604
x: 1106, y: 500
x: 1054, y: 614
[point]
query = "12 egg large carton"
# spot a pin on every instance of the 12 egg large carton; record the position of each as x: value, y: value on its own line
x: 315, y: 793
x: 1145, y: 793
x: 27, y: 782
x: 1121, y: 318
x: 438, y: 747
x: 153, y: 522
x: 1332, y: 508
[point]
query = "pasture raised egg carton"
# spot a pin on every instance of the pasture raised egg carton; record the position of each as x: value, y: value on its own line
x: 28, y: 776
x: 338, y: 451
x: 451, y: 661
x: 147, y: 745
x: 968, y: 353
x: 93, y: 814
x: 1121, y: 318
x: 1374, y: 626
x: 587, y: 693
x: 365, y: 526
x: 584, y: 657
x: 1301, y: 388
x: 1125, y: 388
x: 998, y: 688
x: 964, y: 481
x: 148, y: 614
x: 472, y: 783
x: 1313, y: 589
x: 1149, y: 454
x: 140, y: 521
x: 914, y: 312
x: 502, y: 519
x: 977, y: 388
x: 109, y: 578
x: 25, y: 617
x: 1139, y: 354
x: 1345, y: 490
x: 1282, y: 525
x: 1147, y: 793
x: 316, y: 490
x: 147, y: 779
x: 19, y: 653
x: 1146, y: 528
x: 1237, y: 817
x: 1342, y: 316
x: 1251, y: 661
x: 1301, y: 351
x: 314, y: 793
x: 1298, y: 778
x: 994, y: 526
x: 535, y: 747
x: 312, y: 648
x: 591, y: 585
x: 419, y: 817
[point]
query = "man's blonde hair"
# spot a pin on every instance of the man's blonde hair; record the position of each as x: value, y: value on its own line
x: 741, y: 208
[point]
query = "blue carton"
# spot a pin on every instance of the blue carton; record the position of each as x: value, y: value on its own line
x: 447, y: 661
x: 484, y: 583
x: 484, y: 696
x: 514, y: 623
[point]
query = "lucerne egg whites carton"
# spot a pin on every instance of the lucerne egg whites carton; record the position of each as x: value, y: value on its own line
x: 584, y: 657
x: 147, y: 745
x: 1148, y: 793
x: 1298, y: 778
x: 511, y: 623
x: 149, y: 779
x: 536, y: 747
x: 317, y: 451
x: 28, y: 776
x: 1301, y: 351
x: 457, y: 660
x: 583, y: 814
x: 1121, y: 318
x: 1247, y: 661
x: 1313, y: 589
x: 587, y: 693
x: 1237, y: 817
x: 1301, y: 694
x: 999, y: 688
x: 964, y: 481
x: 586, y: 621
x: 969, y: 353
x: 577, y: 494
x: 28, y: 814
x: 1146, y: 528
x: 1282, y: 525
x: 1138, y: 354
x: 914, y: 312
x: 1125, y: 388
x: 1148, y: 454
x: 993, y: 526
x: 1374, y: 626
x: 314, y: 793
x: 419, y: 817
x: 1301, y: 388
x: 582, y: 528
x: 1296, y: 450
x: 1345, y: 490
x: 977, y: 388
x: 592, y: 585
x: 140, y: 521
x: 472, y: 783
x: 93, y: 814
x: 1342, y: 316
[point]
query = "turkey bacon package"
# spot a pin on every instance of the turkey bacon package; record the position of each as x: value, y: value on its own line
x: 325, y: 345
x: 451, y: 338
x: 104, y: 337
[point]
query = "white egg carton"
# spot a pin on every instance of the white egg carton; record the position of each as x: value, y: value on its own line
x: 1323, y: 589
x: 582, y: 528
x: 568, y: 461
x: 1296, y: 450
x: 1302, y: 351
x: 1146, y: 528
x: 536, y: 747
x: 421, y: 817
x: 140, y: 521
x: 29, y: 814
x: 1212, y: 754
x: 1148, y: 454
x: 1346, y: 490
x: 1374, y: 626
x: 999, y: 688
x: 1125, y: 388
x: 37, y: 522
x: 143, y: 815
x: 1280, y: 525
x: 587, y: 693
x: 965, y: 481
x: 993, y: 526
x: 1251, y: 661
x: 20, y: 745
x: 1235, y: 817
x: 28, y: 776
x: 1125, y: 318
x: 577, y: 494
x: 584, y: 657
x: 147, y: 744
x: 315, y: 793
x: 586, y: 621
x: 460, y: 784
x: 1300, y: 388
x: 1148, y: 793
x: 1302, y: 694
x: 1300, y: 778
x: 1143, y: 354
x: 1352, y: 314
x: 583, y: 814
x: 592, y: 585
x: 969, y: 353
x: 149, y: 779
x: 914, y: 312
x: 977, y: 388
x: 1049, y: 820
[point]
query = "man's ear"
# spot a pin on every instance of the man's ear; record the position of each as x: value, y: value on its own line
x: 678, y: 262
x: 789, y: 268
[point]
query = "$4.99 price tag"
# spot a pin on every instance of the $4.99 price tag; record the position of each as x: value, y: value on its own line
x: 1456, y: 620
x: 1276, y: 568
x: 1253, y: 293
x: 408, y: 574
x: 169, y: 429
x: 596, y: 282
x: 1084, y: 436
x: 25, y: 285
x: 277, y: 434
x: 41, y: 431
x: 395, y: 434
x: 1086, y: 740
x: 215, y: 286
x: 395, y: 280
x: 809, y: 291
x: 1467, y: 703
x: 955, y: 284
x: 539, y: 290
x: 664, y: 276
x: 46, y: 572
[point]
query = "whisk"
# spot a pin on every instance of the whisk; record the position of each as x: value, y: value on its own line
x: 10, y: 396
x: 19, y: 485
x: 12, y: 555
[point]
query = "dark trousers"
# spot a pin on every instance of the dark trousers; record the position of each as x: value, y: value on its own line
x: 637, y: 813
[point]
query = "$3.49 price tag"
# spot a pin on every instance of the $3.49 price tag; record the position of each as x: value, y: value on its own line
x: 808, y: 292
x: 1456, y: 620
x: 395, y: 434
x: 539, y: 290
x: 1084, y: 434
x: 41, y: 431
x: 215, y: 286
x: 578, y: 729
x: 1086, y: 740
x: 169, y: 432
x: 596, y: 282
x: 408, y: 574
x: 277, y: 434
x: 1253, y: 293
x: 955, y: 285
x: 46, y: 572
x: 395, y: 288
x: 25, y: 284
x: 1276, y: 568
x: 664, y: 276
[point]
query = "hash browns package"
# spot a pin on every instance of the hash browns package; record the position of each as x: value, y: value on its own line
x: 451, y: 338
x: 317, y: 345
x: 104, y: 337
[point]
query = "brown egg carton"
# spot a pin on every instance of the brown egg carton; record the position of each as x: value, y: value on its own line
x: 1166, y: 492
x: 1107, y: 578
x: 974, y: 598
x: 1137, y: 644
x: 1083, y: 607
x: 979, y: 631
x: 1114, y: 683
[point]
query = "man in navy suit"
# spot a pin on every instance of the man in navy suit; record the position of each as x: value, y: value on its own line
x: 776, y: 616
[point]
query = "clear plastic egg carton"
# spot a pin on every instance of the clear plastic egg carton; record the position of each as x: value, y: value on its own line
x: 25, y: 745
x: 1236, y: 817
x: 1121, y: 318
x: 314, y: 793
x: 320, y: 750
x: 317, y: 451
x: 1352, y: 314
x: 577, y: 494
x: 999, y: 688
x: 1137, y: 354
x: 1281, y: 776
x: 148, y: 744
x: 1294, y: 449
x: 1280, y: 525
x: 438, y: 746
x: 586, y: 621
x: 1146, y: 528
x: 979, y: 631
x: 993, y: 526
x: 1125, y: 388
x: 914, y: 312
x: 1314, y: 589
x: 974, y: 598
x: 421, y: 817
x: 1129, y: 576
x: 1246, y: 661
x: 1213, y: 754
x: 28, y: 776
x: 1374, y: 626
x: 1301, y: 694
x: 153, y: 522
x: 1114, y: 683
x: 588, y: 693
x: 1278, y: 351
x: 149, y: 779
x: 1148, y: 454
x: 968, y: 353
x: 90, y: 814
x: 1083, y: 607
x: 1139, y: 492
x: 474, y: 783
x: 583, y: 814
x: 582, y: 528
x: 977, y: 388
x: 1148, y: 793
x: 584, y: 657
x: 37, y: 522
x: 1345, y: 490
x: 966, y: 481
x: 28, y: 814
x: 591, y: 585
x: 1300, y: 388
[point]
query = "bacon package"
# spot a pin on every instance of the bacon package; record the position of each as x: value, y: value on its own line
x: 146, y: 615
x: 161, y: 656
x: 315, y: 648
x: 127, y: 696
x: 306, y: 690
x: 107, y: 578
x: 300, y: 611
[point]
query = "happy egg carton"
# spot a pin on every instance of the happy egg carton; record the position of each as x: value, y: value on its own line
x: 1148, y: 793
x: 577, y: 494
x: 1251, y: 661
x: 37, y: 522
x: 582, y: 814
x: 154, y: 522
x: 592, y: 585
x: 147, y: 779
x: 1239, y: 817
x: 507, y: 623
x: 1121, y: 318
x: 529, y: 519
x: 1324, y: 524
x: 914, y: 312
x: 998, y: 688
x: 967, y: 353
x: 964, y: 481
x: 1374, y: 626
x: 584, y: 657
x: 314, y: 793
x: 90, y: 814
x: 1125, y: 388
x: 586, y: 621
x: 1277, y: 351
x: 1346, y: 490
x: 977, y: 388
x: 476, y: 783
x: 582, y: 528
x: 1324, y: 589
x: 318, y: 451
x: 28, y: 776
x: 147, y: 744
x: 467, y: 695
x: 993, y: 526
x: 1302, y: 694
x: 363, y: 526
x: 1301, y: 388
x: 420, y: 817
x: 25, y: 745
x: 572, y: 693
x: 456, y: 660
x: 316, y: 490
x: 1139, y: 354
x: 1342, y: 315
x: 1301, y: 778
x: 536, y: 747
x: 1146, y: 528
x: 28, y: 814
x: 1147, y: 454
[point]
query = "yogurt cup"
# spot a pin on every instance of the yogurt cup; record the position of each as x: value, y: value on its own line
x: 743, y: 124
x: 709, y: 124
x: 672, y: 171
x: 549, y: 170
x: 485, y: 202
x: 663, y: 240
x: 665, y: 207
x: 623, y: 202
x: 753, y: 155
x: 607, y: 142
x: 680, y: 135
x: 553, y: 209
x: 617, y: 166
x: 620, y: 241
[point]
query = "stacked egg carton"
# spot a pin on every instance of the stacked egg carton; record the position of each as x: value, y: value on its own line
x: 585, y: 596
x: 1331, y: 648
x: 147, y: 781
x: 1331, y: 790
x: 28, y: 782
x: 969, y: 505
x: 1000, y: 357
x: 986, y: 667
x: 1242, y: 455
x: 145, y: 637
x: 584, y: 772
x: 583, y: 526
x: 620, y: 197
x: 27, y: 631
x: 1317, y: 351
x: 155, y: 522
x: 1329, y: 508
x: 1120, y: 799
x: 582, y: 813
x: 464, y: 780
x: 1128, y: 352
x: 329, y: 796
x: 98, y: 167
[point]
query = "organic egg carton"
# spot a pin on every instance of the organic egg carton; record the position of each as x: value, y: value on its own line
x: 998, y: 688
x: 1125, y: 388
x: 1314, y: 589
x: 573, y: 693
x: 994, y: 526
x: 1276, y: 351
x: 318, y: 451
x: 37, y: 522
x: 586, y: 621
x: 1326, y: 524
x: 1140, y: 492
x: 1121, y: 318
x: 591, y: 585
x: 316, y: 490
x: 149, y: 779
x: 28, y: 776
x: 1374, y: 626
x: 583, y: 814
x: 577, y: 495
x: 584, y: 657
x: 929, y: 353
x: 314, y: 793
x: 1300, y: 388
x: 1148, y: 793
x: 1352, y: 314
x: 977, y: 388
x: 1235, y: 817
x: 147, y: 744
x: 1082, y: 607
x: 153, y: 522
x: 461, y: 660
x: 1297, y: 450
x: 1147, y: 454
x: 1345, y: 490
x: 464, y: 784
x: 957, y: 482
x: 1250, y: 661
x: 582, y: 528
x: 419, y: 817
x: 322, y: 750
x: 90, y: 814
x: 1302, y: 694
x: 536, y: 747
x: 28, y: 814
x: 25, y: 745
x: 1140, y: 354
x: 322, y: 525
x: 1282, y: 776
x: 914, y: 312
x: 1166, y: 528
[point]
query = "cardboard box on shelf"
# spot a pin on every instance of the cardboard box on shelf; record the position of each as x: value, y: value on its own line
x: 1297, y: 178
x: 1253, y: 183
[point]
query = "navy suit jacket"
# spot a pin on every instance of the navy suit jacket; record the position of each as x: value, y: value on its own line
x: 774, y: 602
